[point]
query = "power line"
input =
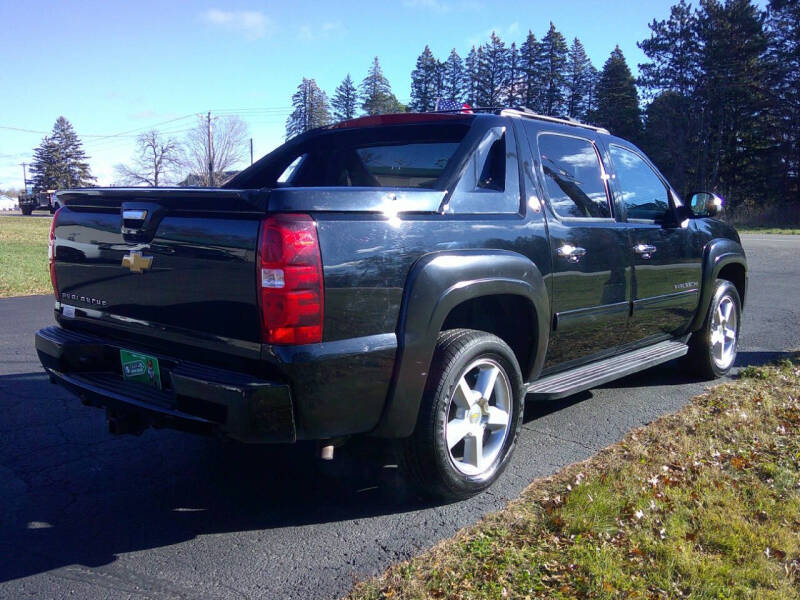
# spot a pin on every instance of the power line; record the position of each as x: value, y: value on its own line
x: 96, y: 136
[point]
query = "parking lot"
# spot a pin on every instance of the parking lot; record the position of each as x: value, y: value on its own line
x: 168, y: 515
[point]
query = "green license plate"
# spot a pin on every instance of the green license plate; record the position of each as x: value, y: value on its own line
x: 141, y: 368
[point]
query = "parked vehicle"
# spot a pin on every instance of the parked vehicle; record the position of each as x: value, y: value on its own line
x: 31, y: 201
x: 408, y: 276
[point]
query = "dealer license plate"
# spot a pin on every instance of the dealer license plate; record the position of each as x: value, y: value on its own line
x: 141, y: 368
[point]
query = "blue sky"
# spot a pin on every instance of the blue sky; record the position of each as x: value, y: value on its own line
x: 113, y: 67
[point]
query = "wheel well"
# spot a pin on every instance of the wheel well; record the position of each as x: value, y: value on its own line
x: 735, y: 273
x: 510, y: 317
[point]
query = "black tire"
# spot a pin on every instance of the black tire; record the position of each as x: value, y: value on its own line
x: 703, y: 358
x: 427, y: 459
x: 26, y: 211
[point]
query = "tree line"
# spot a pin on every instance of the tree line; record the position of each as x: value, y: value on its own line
x: 716, y: 105
x: 722, y: 86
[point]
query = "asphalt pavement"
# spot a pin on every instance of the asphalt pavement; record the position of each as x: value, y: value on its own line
x: 169, y: 515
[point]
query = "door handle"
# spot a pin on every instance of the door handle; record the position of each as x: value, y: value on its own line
x: 571, y: 253
x: 644, y: 250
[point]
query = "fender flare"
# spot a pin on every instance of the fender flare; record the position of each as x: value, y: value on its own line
x: 717, y: 254
x: 436, y: 284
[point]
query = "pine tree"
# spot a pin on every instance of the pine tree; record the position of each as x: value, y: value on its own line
x: 454, y: 78
x: 440, y: 70
x: 674, y: 51
x: 425, y: 82
x: 553, y: 63
x: 491, y: 72
x: 579, y: 81
x: 345, y: 98
x: 674, y: 116
x: 60, y: 162
x: 591, y: 100
x: 732, y: 99
x: 376, y: 92
x: 471, y: 72
x: 512, y: 93
x: 311, y: 109
x: 617, y: 99
x: 784, y: 87
x: 532, y: 76
x: 44, y: 168
x: 670, y: 138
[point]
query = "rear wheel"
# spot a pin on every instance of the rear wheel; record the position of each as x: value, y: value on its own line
x: 26, y: 211
x: 712, y: 349
x: 470, y: 416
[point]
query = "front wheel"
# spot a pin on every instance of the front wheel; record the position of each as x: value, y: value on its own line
x: 470, y: 416
x: 712, y: 349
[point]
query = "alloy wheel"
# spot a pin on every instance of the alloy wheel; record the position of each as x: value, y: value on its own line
x: 478, y: 417
x: 724, y: 332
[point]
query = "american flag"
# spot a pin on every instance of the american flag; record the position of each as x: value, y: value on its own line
x: 445, y: 104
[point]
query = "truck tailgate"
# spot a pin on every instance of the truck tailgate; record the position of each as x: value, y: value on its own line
x: 188, y: 264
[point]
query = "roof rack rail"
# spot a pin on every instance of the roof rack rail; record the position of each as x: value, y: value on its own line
x: 523, y: 111
x: 471, y: 109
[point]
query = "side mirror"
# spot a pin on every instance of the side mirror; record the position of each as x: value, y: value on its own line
x: 706, y: 204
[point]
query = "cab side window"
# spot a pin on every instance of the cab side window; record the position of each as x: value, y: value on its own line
x: 573, y: 177
x: 490, y: 182
x: 642, y: 192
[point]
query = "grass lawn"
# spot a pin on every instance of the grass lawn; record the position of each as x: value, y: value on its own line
x: 704, y: 503
x: 786, y: 231
x: 23, y: 256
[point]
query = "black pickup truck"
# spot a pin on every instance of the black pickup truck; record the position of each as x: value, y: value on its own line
x: 408, y: 276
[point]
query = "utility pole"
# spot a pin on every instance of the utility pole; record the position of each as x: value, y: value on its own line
x: 251, y: 151
x: 25, y: 179
x: 210, y: 152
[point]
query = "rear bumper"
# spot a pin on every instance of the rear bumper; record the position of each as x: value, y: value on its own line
x: 194, y: 397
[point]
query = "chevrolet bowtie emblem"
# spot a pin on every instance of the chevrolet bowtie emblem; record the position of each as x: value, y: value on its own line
x: 136, y: 262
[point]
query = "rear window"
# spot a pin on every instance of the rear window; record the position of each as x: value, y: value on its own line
x: 407, y: 156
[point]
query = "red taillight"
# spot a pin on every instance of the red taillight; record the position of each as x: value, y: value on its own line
x: 51, y: 253
x: 290, y: 280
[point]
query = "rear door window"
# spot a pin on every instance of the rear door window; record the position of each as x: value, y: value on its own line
x: 574, y: 177
x: 490, y: 182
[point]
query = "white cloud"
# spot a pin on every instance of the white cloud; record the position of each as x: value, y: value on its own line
x: 252, y: 23
x: 309, y: 32
x: 434, y: 5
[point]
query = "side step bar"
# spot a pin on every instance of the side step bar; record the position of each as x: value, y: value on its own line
x: 560, y: 385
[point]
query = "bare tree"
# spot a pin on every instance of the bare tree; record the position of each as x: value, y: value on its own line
x: 228, y: 139
x: 156, y: 162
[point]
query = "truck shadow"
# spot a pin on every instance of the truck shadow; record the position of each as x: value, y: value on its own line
x: 71, y: 494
